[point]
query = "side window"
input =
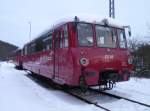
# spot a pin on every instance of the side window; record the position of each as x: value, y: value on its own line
x: 22, y: 52
x: 28, y: 49
x: 65, y: 29
x: 33, y: 48
x: 122, y: 38
x: 48, y: 42
x: 61, y: 39
x: 39, y: 45
x: 25, y: 50
x: 57, y: 39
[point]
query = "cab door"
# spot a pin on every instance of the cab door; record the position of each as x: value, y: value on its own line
x: 62, y: 60
x: 65, y: 69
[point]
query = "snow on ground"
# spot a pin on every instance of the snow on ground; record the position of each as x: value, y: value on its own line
x: 20, y: 93
x: 136, y: 89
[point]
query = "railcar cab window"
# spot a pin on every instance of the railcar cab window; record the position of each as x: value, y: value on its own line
x: 105, y: 36
x: 85, y: 34
x: 122, y: 38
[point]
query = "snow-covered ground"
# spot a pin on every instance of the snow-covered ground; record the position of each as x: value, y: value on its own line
x: 135, y: 89
x: 20, y: 93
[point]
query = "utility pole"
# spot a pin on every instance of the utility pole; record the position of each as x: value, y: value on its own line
x: 112, y: 8
x: 29, y: 30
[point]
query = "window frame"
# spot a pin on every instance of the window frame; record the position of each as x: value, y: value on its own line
x: 119, y: 38
x: 48, y: 41
x: 63, y: 35
x: 113, y: 28
x: 61, y: 39
x: 59, y: 31
x: 93, y: 31
x: 57, y: 38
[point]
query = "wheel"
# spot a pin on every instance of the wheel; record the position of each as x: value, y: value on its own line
x: 83, y: 85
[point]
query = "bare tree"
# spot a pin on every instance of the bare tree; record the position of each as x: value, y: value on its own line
x: 133, y: 45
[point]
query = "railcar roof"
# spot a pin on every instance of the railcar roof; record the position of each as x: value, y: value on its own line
x: 96, y: 19
x: 88, y: 18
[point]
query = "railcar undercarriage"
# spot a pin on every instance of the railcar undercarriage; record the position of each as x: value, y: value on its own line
x: 107, y: 80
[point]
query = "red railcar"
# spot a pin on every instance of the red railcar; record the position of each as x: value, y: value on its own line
x: 16, y: 57
x: 80, y: 52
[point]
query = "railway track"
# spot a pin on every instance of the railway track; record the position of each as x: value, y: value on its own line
x: 47, y: 84
x: 92, y: 96
x: 96, y: 93
x: 86, y: 100
x: 120, y: 97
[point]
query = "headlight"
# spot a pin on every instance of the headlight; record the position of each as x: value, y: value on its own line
x: 130, y: 60
x: 84, y: 61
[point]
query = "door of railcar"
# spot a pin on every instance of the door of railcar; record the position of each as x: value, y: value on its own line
x: 56, y: 54
x: 64, y: 57
x: 61, y: 57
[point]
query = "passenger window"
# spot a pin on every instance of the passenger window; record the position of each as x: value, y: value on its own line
x: 61, y: 39
x: 39, y: 45
x: 57, y: 39
x: 33, y: 47
x: 66, y: 44
x: 25, y: 50
x: 48, y: 42
x: 28, y: 49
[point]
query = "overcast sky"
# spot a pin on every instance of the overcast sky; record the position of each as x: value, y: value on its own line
x: 15, y: 15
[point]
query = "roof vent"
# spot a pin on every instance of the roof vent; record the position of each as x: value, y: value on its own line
x: 105, y: 21
x: 76, y: 19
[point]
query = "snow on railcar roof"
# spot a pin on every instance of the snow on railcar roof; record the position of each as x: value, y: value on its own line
x: 88, y: 18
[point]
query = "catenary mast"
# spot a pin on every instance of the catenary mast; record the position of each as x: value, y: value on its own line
x: 112, y: 8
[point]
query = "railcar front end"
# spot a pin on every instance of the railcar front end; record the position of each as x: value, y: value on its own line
x: 100, y: 55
